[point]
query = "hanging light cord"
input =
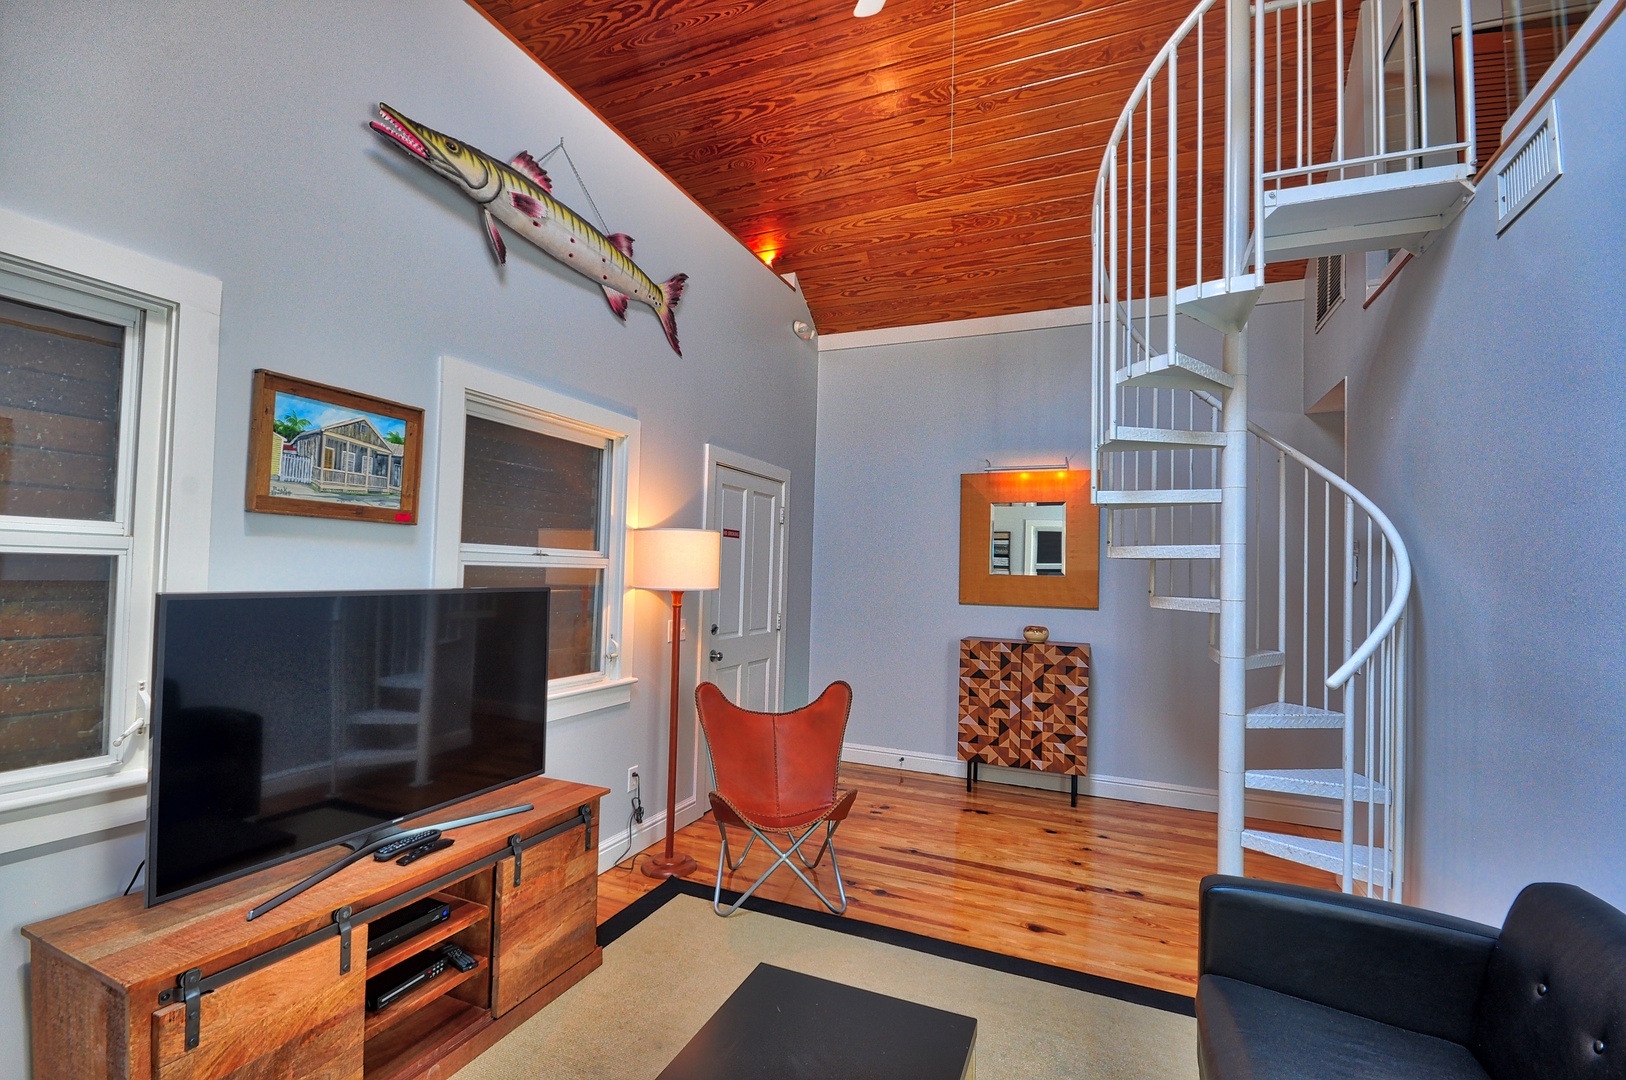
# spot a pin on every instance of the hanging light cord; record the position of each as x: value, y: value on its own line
x: 954, y: 43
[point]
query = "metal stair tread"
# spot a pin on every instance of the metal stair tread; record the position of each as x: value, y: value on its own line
x: 1129, y: 439
x: 1259, y: 658
x: 1222, y: 304
x: 384, y: 718
x: 1177, y: 372
x: 1207, y: 605
x: 1318, y: 783
x: 1163, y: 551
x: 1323, y: 854
x: 1129, y: 500
x: 1288, y: 714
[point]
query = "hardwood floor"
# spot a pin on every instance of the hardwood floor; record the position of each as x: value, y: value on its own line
x: 1109, y: 888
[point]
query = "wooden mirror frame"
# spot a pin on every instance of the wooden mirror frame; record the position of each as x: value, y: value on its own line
x: 1079, y: 587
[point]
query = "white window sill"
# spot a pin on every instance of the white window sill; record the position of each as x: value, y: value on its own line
x: 77, y: 808
x: 579, y: 700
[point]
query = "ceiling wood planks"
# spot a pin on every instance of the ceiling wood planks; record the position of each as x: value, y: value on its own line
x: 932, y: 162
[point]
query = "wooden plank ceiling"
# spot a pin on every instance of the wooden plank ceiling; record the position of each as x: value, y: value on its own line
x: 933, y: 162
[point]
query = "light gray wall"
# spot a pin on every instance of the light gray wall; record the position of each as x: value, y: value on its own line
x: 1488, y: 418
x: 898, y: 424
x: 232, y: 139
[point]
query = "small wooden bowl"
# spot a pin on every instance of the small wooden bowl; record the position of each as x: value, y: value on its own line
x: 1036, y: 634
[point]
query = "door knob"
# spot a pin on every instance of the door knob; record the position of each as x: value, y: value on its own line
x: 715, y: 656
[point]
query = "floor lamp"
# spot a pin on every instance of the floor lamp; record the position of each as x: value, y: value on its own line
x: 674, y: 561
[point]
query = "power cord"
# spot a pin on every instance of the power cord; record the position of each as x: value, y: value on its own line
x: 635, y: 817
x: 133, y: 877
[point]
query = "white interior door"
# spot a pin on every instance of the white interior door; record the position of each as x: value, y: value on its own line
x: 743, y: 628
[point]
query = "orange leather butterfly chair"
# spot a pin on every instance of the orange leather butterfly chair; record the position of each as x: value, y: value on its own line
x: 778, y: 774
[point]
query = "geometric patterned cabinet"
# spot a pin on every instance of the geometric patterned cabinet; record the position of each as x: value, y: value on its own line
x: 1025, y: 705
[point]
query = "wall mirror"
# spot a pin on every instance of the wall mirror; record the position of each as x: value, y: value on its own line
x: 1029, y: 538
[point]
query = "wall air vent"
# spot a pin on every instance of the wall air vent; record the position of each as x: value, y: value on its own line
x: 1329, y: 286
x: 1530, y: 171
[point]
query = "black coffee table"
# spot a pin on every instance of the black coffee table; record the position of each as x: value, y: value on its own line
x: 783, y: 1025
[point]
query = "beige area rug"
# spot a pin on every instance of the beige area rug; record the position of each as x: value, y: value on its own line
x: 662, y: 980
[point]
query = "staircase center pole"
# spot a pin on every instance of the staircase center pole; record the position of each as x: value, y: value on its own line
x: 1233, y: 619
x: 1233, y: 538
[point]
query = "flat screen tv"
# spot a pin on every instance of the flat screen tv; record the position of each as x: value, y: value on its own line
x: 289, y: 722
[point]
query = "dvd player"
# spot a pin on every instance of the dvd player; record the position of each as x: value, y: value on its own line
x: 404, y: 977
x: 398, y: 925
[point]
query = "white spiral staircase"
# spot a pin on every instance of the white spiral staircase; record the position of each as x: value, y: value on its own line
x: 1287, y: 130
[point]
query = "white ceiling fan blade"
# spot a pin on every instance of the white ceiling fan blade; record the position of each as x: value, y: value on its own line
x: 867, y: 8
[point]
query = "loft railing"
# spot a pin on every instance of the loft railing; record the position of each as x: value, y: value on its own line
x: 1359, y: 87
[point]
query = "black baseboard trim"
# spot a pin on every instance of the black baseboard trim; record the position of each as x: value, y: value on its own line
x: 652, y: 901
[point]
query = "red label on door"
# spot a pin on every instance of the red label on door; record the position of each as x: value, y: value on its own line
x: 731, y: 534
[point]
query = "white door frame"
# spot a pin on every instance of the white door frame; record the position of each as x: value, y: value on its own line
x: 718, y: 455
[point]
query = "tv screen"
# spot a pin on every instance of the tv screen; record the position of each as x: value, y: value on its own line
x: 289, y: 722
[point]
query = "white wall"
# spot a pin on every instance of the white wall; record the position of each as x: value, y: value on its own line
x: 232, y: 139
x: 1487, y: 416
x: 898, y: 424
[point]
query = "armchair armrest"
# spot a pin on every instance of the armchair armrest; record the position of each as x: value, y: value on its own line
x: 1415, y: 969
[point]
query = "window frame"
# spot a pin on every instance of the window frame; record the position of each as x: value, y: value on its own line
x: 467, y: 389
x: 159, y: 535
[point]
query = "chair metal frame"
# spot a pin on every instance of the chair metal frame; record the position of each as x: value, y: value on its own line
x: 783, y: 858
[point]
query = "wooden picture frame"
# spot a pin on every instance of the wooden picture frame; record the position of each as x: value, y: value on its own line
x: 319, y: 451
x: 1079, y: 586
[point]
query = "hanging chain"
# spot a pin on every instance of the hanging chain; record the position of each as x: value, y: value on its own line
x: 583, y: 183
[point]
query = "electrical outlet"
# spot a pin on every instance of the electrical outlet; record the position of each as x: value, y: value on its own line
x: 633, y: 778
x: 683, y: 629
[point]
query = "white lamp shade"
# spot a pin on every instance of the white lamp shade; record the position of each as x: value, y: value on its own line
x: 676, y: 560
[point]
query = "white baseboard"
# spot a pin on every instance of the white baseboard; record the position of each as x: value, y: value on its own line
x: 1273, y: 806
x: 646, y: 835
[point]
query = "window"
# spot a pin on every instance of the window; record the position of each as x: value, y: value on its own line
x: 93, y: 369
x: 1511, y: 54
x: 75, y: 575
x: 534, y: 490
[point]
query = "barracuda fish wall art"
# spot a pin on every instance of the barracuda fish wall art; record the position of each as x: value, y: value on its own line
x: 520, y: 195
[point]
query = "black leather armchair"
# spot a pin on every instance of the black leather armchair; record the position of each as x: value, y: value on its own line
x: 1305, y: 984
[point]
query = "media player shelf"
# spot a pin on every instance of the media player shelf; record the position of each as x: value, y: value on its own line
x: 191, y: 989
x: 465, y: 913
x: 408, y: 1006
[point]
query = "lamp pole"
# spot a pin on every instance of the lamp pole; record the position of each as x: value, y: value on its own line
x: 671, y: 864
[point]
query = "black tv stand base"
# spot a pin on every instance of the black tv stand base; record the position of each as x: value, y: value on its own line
x: 370, y: 843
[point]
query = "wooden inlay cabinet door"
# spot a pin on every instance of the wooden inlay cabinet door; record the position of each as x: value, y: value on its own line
x: 547, y: 922
x: 297, y: 1017
x: 1056, y: 705
x: 990, y: 701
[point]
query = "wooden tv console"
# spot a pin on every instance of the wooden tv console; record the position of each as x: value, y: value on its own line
x: 190, y: 990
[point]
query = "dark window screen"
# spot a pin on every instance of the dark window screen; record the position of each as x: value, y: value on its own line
x: 289, y: 722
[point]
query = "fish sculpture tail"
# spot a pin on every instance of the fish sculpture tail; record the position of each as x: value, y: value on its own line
x: 672, y: 292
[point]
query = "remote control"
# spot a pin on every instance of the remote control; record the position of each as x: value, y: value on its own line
x: 425, y: 849
x: 460, y: 959
x: 410, y: 840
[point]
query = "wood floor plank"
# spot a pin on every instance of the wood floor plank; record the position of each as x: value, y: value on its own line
x: 1109, y: 888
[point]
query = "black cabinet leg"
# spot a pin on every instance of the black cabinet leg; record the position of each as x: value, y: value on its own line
x: 970, y: 768
x: 1075, y: 789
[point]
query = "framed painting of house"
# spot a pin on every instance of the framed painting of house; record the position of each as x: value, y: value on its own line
x: 319, y: 451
